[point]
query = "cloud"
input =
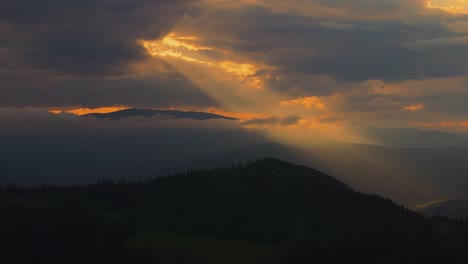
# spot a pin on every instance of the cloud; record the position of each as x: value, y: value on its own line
x: 412, y: 108
x: 268, y: 58
x: 161, y: 88
x: 336, y: 25
x: 440, y: 42
x: 460, y: 26
x: 450, y: 125
x: 59, y: 53
x: 349, y: 48
x: 311, y: 102
x: 282, y: 121
x: 90, y: 37
x: 451, y: 6
x: 336, y: 9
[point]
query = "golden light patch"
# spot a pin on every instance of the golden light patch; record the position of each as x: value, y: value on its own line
x: 84, y: 111
x: 172, y: 40
x: 186, y: 48
x: 242, y: 69
x: 160, y: 49
x: 299, y: 134
x: 450, y: 6
x: 176, y: 46
x: 245, y: 73
x: 413, y: 108
x: 307, y: 102
x: 55, y: 112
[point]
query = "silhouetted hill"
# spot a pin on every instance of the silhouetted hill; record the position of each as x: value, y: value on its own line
x: 147, y: 113
x: 267, y: 211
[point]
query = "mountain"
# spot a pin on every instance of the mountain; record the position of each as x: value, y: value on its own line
x: 413, y: 138
x: 455, y: 206
x: 148, y: 113
x: 266, y: 211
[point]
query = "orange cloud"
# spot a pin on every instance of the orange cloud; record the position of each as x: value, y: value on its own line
x: 160, y: 49
x: 186, y: 48
x: 413, y: 108
x: 449, y: 6
x: 55, y: 112
x: 244, y: 71
x: 241, y: 69
x: 307, y: 102
x: 173, y: 40
x: 84, y: 111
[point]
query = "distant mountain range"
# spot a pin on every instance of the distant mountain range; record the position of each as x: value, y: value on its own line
x: 148, y: 113
x: 455, y: 206
x: 413, y: 138
x: 388, y: 137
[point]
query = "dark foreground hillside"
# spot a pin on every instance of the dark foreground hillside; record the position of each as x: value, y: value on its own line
x: 267, y: 211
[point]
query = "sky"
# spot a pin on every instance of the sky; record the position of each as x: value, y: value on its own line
x: 281, y: 66
x: 299, y: 73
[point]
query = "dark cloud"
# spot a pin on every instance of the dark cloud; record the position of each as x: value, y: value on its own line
x: 348, y: 49
x: 447, y: 97
x: 56, y: 53
x: 42, y: 89
x: 357, y: 55
x: 283, y: 121
x: 86, y: 36
x: 380, y: 61
x: 372, y: 6
x: 63, y: 52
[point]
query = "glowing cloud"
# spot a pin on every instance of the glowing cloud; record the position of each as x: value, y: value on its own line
x: 413, y: 108
x: 243, y: 69
x: 175, y: 46
x: 84, y: 111
x: 307, y: 102
x: 450, y: 6
x: 172, y: 40
x: 162, y: 49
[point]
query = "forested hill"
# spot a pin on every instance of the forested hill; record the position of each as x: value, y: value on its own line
x: 267, y: 211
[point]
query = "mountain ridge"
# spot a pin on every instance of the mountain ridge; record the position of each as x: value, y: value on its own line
x: 149, y: 113
x: 453, y: 206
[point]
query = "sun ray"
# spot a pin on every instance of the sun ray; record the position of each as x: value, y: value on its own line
x: 241, y: 85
